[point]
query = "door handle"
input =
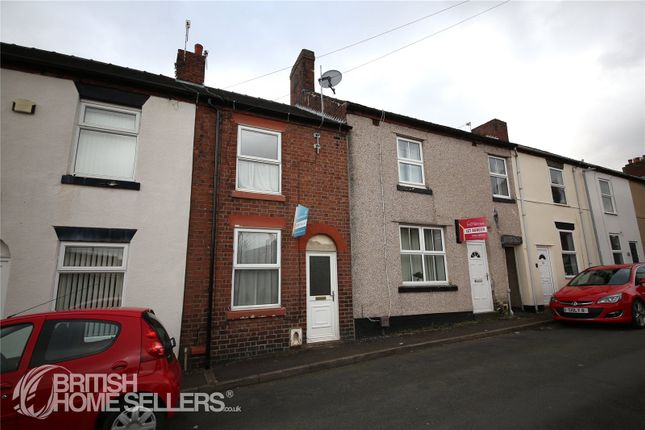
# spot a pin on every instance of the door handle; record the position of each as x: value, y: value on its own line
x: 5, y: 386
x: 119, y: 365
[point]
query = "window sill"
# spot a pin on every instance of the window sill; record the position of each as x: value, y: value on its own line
x: 427, y: 288
x: 503, y: 199
x: 412, y: 189
x: 258, y: 196
x: 99, y: 182
x: 244, y: 314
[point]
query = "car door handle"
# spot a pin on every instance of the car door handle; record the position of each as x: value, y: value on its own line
x: 5, y: 386
x: 119, y: 365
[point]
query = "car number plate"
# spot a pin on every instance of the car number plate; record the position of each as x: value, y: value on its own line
x: 576, y: 310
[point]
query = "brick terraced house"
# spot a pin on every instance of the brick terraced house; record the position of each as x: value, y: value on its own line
x: 251, y: 286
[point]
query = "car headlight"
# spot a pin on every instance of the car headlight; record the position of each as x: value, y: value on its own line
x: 554, y: 300
x: 614, y: 298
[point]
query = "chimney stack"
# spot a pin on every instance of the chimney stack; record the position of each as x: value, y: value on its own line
x: 191, y: 66
x: 635, y: 166
x: 302, y: 76
x: 494, y: 128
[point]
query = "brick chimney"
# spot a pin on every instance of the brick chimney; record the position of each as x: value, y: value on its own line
x: 191, y: 66
x: 635, y: 166
x: 494, y: 128
x: 302, y: 76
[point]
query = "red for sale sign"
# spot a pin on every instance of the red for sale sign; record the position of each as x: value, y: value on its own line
x: 473, y: 229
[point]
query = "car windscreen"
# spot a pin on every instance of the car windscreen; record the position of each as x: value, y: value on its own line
x: 601, y: 277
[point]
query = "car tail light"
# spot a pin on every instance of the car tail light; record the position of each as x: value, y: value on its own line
x: 151, y: 346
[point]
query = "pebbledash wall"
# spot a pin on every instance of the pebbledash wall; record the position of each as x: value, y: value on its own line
x: 318, y: 181
x: 36, y: 150
x: 457, y: 172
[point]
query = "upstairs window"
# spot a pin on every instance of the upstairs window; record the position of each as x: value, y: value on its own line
x: 258, y: 160
x: 106, y: 143
x: 557, y: 186
x: 607, y: 196
x: 410, y: 159
x: 568, y: 254
x: 616, y: 250
x: 498, y: 177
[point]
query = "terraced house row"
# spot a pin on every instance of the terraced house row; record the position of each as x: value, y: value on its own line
x: 252, y: 226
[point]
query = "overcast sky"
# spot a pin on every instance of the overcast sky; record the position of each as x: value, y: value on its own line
x: 567, y: 77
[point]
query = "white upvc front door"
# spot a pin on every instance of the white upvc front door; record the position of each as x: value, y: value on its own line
x: 479, y: 277
x: 546, y: 273
x: 322, y: 297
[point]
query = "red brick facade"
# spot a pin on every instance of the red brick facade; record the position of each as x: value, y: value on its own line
x: 317, y: 181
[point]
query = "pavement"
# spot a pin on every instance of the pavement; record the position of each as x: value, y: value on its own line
x: 553, y: 376
x: 309, y: 358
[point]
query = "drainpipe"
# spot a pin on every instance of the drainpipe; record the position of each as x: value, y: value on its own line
x: 582, y: 222
x: 525, y: 230
x: 593, y: 221
x: 211, y: 271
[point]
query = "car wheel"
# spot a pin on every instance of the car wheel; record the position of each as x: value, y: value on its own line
x: 638, y: 314
x: 132, y: 418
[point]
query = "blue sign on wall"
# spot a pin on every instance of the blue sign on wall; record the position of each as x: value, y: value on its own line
x: 300, y: 221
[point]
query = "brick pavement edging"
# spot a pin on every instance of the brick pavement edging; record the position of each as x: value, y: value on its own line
x: 214, y: 385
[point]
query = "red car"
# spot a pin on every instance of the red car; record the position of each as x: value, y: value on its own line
x: 610, y: 294
x: 55, y: 364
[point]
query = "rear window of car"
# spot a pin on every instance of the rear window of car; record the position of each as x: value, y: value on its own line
x: 13, y: 340
x: 601, y: 277
x: 63, y: 340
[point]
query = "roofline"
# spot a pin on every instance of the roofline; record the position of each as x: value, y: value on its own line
x: 472, y: 137
x: 16, y: 55
x: 577, y: 163
x: 426, y: 125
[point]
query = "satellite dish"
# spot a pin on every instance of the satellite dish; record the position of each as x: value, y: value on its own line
x: 330, y: 79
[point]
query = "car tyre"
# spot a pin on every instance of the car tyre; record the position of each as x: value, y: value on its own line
x: 638, y: 314
x: 137, y: 417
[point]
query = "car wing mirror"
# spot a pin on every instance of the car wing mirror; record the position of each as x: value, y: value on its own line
x: 173, y: 342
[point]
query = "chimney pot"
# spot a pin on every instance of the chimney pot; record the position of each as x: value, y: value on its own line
x: 199, y: 49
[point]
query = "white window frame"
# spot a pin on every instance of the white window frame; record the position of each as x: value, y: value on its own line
x: 616, y: 251
x: 254, y: 159
x: 422, y: 252
x: 631, y: 250
x: 563, y: 187
x: 277, y: 265
x: 499, y: 175
x: 61, y: 268
x: 81, y: 125
x: 610, y: 195
x: 567, y: 252
x: 401, y: 160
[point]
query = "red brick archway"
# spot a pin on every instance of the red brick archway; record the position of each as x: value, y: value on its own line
x: 314, y: 229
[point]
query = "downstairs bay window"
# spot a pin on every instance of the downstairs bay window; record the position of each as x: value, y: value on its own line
x: 423, y: 256
x: 256, y: 269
